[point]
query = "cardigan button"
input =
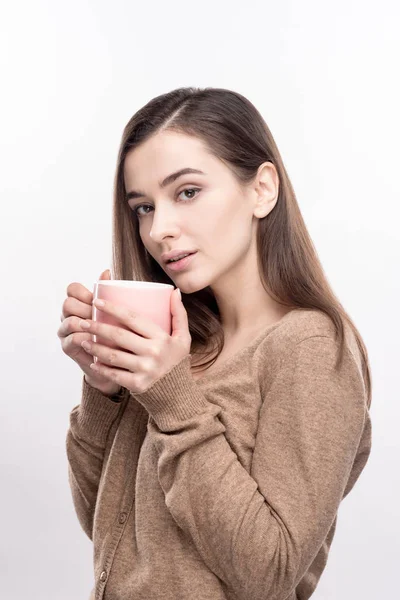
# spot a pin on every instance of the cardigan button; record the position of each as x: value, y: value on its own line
x: 122, y: 518
x: 103, y: 576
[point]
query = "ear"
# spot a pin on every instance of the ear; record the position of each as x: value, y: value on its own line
x: 266, y: 188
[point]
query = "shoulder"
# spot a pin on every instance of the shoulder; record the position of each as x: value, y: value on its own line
x: 302, y: 323
x: 302, y: 330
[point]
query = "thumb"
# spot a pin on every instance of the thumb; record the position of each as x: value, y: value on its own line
x: 105, y: 274
x: 180, y: 323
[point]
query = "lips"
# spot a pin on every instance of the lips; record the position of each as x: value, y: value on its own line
x: 166, y: 256
x: 177, y: 258
x: 182, y: 264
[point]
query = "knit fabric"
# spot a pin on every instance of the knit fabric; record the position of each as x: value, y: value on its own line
x: 227, y: 487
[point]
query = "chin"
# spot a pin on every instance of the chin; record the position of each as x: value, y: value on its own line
x: 189, y: 287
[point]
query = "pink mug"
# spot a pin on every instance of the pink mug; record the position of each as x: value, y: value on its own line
x: 149, y: 299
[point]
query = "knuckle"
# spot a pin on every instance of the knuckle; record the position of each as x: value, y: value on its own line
x: 112, y: 359
x: 132, y: 317
x: 66, y: 346
x: 78, y: 292
x: 114, y: 376
x: 148, y: 366
x: 155, y: 352
x: 151, y: 369
x: 68, y: 326
x: 67, y: 307
x: 119, y: 334
x: 74, y: 340
x: 69, y: 347
x: 72, y: 288
x: 71, y: 340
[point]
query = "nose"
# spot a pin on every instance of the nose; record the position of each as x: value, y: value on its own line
x: 164, y: 225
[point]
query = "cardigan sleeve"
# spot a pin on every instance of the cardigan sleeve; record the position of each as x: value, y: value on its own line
x: 259, y: 531
x: 87, y: 436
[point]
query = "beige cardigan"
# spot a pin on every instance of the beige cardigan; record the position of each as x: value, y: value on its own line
x: 227, y: 487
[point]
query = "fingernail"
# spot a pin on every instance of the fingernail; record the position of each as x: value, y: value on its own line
x: 98, y: 302
x: 179, y: 294
x: 84, y: 324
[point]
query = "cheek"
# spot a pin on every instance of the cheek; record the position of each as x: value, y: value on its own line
x: 235, y: 237
x: 229, y: 223
x: 144, y: 232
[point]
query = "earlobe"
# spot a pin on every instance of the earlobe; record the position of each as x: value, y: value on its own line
x: 263, y: 210
x: 264, y: 205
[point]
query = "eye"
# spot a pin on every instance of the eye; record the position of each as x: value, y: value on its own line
x: 144, y: 206
x: 189, y: 190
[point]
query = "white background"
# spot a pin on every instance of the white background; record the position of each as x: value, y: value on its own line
x: 326, y: 79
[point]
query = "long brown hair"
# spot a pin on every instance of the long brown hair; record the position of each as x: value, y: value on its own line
x: 236, y: 133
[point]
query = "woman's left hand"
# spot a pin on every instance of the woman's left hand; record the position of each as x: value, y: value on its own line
x: 142, y: 359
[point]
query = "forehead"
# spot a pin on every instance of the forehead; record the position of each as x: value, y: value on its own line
x: 165, y: 153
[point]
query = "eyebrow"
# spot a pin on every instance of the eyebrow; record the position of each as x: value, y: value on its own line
x: 167, y: 181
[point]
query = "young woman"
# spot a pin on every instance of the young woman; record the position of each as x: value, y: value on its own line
x: 210, y: 463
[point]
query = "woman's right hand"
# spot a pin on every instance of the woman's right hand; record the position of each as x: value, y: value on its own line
x: 77, y: 306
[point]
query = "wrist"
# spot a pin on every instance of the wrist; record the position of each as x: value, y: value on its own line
x: 107, y: 389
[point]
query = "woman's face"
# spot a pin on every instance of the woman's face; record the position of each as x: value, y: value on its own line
x: 205, y: 212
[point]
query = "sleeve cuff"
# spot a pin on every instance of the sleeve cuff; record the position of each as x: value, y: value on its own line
x: 96, y: 413
x: 174, y: 397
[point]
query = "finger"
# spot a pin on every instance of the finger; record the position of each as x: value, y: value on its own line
x: 180, y: 322
x: 105, y: 274
x: 78, y: 291
x: 126, y: 379
x: 71, y: 325
x: 74, y: 307
x: 137, y: 323
x: 120, y: 337
x: 71, y: 345
x: 112, y: 357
